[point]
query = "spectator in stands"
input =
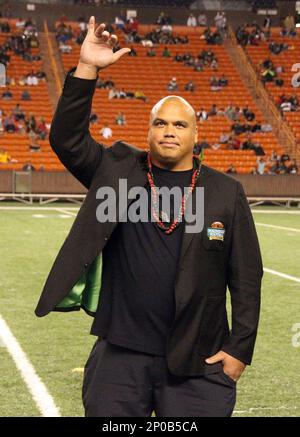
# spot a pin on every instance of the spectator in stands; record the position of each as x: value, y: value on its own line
x: 178, y: 57
x: 9, y: 124
x: 221, y: 23
x: 236, y: 116
x: 248, y: 144
x: 120, y: 119
x: 151, y: 53
x: 285, y: 157
x: 22, y: 80
x: 32, y: 79
x: 238, y: 128
x: 119, y: 22
x: 20, y: 127
x: 132, y: 52
x: 94, y: 118
x: 277, y: 48
x: 223, y: 81
x: 268, y: 74
x: 28, y: 166
x: 293, y: 168
x: 41, y: 129
x: 65, y: 48
x: 283, y: 169
x: 197, y: 149
x: 166, y: 53
x: 213, y: 110
x: 4, y: 27
x: 140, y: 95
x: 233, y: 143
x: 34, y: 146
x: 212, y: 38
x: 172, y: 85
x: 7, y: 95
x: 202, y: 19
x: 191, y: 21
x: 30, y: 122
x: 204, y: 144
x: 289, y: 26
x: 25, y: 95
x: 106, y: 131
x: 201, y: 115
x: 4, y: 157
x: 231, y: 169
x: 113, y: 93
x: 190, y: 86
x: 100, y: 83
x: 214, y: 84
x: 230, y: 112
x: 274, y: 156
x: 224, y: 137
x: 109, y: 83
x: 4, y: 57
x: 267, y: 22
x: 261, y: 164
x: 258, y: 149
x: 18, y: 112
x: 214, y: 64
x: 129, y: 95
x: 266, y: 127
x: 248, y: 114
x: 198, y: 64
x: 122, y: 94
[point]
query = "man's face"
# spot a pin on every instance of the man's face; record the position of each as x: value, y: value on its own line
x: 172, y: 134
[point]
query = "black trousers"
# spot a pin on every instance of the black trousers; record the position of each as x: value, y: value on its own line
x: 120, y: 382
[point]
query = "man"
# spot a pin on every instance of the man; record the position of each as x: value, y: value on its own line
x: 164, y: 343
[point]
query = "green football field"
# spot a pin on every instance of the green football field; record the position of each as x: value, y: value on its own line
x: 58, y: 345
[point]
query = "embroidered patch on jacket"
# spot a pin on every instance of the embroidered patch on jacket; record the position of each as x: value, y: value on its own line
x: 216, y: 231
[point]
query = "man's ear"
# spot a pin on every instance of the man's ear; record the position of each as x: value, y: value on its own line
x: 196, y: 134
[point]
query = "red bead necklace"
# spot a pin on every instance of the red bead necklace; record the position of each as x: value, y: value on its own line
x: 155, y: 201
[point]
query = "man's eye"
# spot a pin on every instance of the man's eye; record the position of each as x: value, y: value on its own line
x: 179, y: 124
x: 159, y: 123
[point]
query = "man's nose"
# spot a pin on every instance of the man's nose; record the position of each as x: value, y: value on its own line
x: 169, y: 131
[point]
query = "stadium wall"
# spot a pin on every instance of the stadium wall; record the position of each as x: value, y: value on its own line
x: 65, y: 183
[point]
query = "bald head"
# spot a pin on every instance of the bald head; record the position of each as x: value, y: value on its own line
x: 173, y: 101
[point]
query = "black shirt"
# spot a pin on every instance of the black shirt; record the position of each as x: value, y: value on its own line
x: 137, y: 298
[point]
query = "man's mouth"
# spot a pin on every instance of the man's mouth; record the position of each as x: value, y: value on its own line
x: 169, y: 143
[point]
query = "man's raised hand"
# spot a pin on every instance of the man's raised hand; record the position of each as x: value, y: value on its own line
x: 97, y: 51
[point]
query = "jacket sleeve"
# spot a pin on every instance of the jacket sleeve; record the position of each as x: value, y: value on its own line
x: 69, y: 133
x: 244, y: 281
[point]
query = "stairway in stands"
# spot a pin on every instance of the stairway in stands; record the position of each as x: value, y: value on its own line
x: 258, y: 53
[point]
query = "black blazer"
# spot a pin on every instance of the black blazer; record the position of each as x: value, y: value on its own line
x: 206, y: 268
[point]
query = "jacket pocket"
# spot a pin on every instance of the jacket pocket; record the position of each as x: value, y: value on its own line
x: 214, y: 233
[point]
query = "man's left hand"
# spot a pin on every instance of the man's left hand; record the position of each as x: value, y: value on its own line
x: 231, y: 366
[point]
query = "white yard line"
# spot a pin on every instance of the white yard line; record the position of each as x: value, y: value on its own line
x: 37, y: 388
x: 276, y: 211
x: 252, y: 409
x: 282, y: 275
x: 35, y: 208
x: 66, y: 211
x: 284, y: 228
